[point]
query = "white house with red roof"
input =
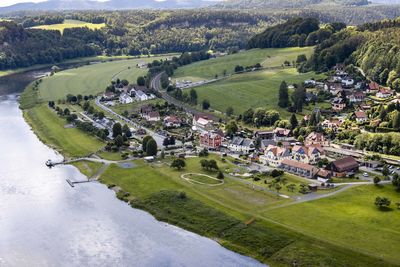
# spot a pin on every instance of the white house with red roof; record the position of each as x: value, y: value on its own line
x: 384, y: 92
x: 360, y: 116
x: 273, y: 155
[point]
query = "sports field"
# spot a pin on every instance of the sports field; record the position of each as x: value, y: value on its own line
x: 91, y: 79
x: 69, y: 23
x: 251, y: 90
x: 271, y: 57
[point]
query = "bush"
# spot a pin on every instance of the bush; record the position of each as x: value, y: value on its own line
x: 275, y: 173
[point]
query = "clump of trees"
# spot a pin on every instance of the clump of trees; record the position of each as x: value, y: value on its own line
x: 260, y: 117
x: 388, y: 143
x: 149, y: 146
x: 178, y: 164
x: 209, y: 165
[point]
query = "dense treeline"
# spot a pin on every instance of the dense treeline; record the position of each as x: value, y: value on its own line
x: 295, y: 32
x: 388, y: 143
x: 374, y: 47
x: 25, y: 47
x: 42, y: 20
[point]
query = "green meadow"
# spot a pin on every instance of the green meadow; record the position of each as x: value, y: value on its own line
x: 271, y: 57
x: 252, y: 90
x: 69, y: 23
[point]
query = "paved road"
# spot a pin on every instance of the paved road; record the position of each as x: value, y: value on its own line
x: 157, y: 137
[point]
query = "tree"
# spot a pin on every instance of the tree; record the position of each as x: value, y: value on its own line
x: 377, y: 180
x: 396, y: 120
x: 293, y: 121
x: 283, y: 101
x: 204, y: 164
x: 144, y: 142
x: 178, y: 164
x: 385, y: 171
x: 300, y: 139
x: 117, y: 129
x: 291, y: 187
x: 151, y: 147
x: 278, y: 187
x: 396, y: 181
x: 298, y: 98
x: 119, y: 141
x: 100, y: 115
x: 382, y: 202
x: 301, y: 58
x: 66, y: 112
x: 86, y: 106
x: 126, y: 131
x: 239, y: 68
x: 212, y: 165
x: 231, y: 128
x: 141, y: 81
x: 193, y: 97
x: 229, y: 111
x: 220, y: 175
x: 206, y: 104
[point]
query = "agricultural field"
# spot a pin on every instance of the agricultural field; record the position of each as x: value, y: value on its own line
x: 239, y: 217
x: 51, y: 129
x: 268, y: 58
x: 349, y: 219
x: 69, y: 23
x: 253, y: 90
x: 90, y: 79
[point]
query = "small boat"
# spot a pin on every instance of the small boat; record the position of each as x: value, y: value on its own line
x: 49, y: 163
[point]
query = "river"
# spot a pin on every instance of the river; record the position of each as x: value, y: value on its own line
x: 45, y: 222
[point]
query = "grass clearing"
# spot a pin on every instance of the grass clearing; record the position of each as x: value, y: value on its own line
x: 90, y: 79
x: 50, y: 128
x: 349, y: 219
x: 229, y: 213
x: 252, y: 90
x: 68, y: 24
x: 88, y: 168
x: 135, y: 106
x: 271, y: 57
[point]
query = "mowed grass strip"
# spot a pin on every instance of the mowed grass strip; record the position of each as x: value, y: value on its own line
x: 91, y: 79
x: 68, y: 24
x: 251, y: 90
x: 271, y: 57
x: 221, y: 212
x: 351, y: 220
x: 88, y: 168
x: 50, y: 128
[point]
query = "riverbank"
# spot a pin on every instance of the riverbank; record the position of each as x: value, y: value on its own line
x: 233, y: 214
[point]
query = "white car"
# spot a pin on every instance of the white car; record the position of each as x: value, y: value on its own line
x: 365, y: 174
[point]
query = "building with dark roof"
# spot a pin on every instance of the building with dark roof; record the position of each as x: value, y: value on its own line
x: 344, y: 167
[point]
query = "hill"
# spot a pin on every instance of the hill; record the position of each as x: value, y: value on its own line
x: 291, y: 3
x: 108, y: 5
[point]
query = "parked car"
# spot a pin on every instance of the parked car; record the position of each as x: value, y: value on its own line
x: 365, y: 174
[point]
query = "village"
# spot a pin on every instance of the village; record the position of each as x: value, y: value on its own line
x: 310, y: 149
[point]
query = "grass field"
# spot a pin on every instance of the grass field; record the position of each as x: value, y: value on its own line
x: 272, y: 57
x: 69, y: 23
x: 350, y: 219
x: 88, y: 168
x: 251, y: 90
x: 233, y: 214
x: 135, y: 106
x: 91, y: 79
x: 51, y: 130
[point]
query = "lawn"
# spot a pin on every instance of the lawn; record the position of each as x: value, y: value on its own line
x: 271, y: 57
x: 229, y: 213
x: 252, y: 90
x: 135, y: 106
x: 88, y: 168
x: 91, y: 79
x: 69, y: 23
x: 349, y: 219
x: 51, y: 129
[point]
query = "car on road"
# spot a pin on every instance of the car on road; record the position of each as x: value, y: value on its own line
x: 365, y: 174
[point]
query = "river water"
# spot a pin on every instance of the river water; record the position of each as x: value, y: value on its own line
x: 45, y: 222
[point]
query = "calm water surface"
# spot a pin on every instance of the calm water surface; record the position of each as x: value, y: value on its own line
x: 45, y: 222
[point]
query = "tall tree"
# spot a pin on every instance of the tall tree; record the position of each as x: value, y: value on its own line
x: 117, y: 129
x: 151, y: 147
x: 193, y: 96
x: 293, y: 121
x: 283, y: 101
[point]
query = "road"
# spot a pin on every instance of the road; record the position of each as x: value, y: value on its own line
x: 157, y: 137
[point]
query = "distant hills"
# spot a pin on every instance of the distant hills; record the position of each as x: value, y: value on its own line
x: 58, y: 5
x: 108, y: 5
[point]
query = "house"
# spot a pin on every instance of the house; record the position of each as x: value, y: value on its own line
x: 202, y: 122
x: 108, y: 95
x: 384, y: 93
x: 264, y: 135
x: 373, y: 88
x: 211, y: 140
x: 347, y: 82
x: 172, y: 122
x: 241, y: 145
x: 344, y: 167
x: 338, y: 104
x: 311, y: 97
x: 266, y: 142
x: 309, y: 83
x: 360, y: 116
x: 333, y: 124
x: 299, y: 168
x: 281, y: 134
x: 141, y: 96
x: 316, y: 139
x: 357, y: 97
x: 125, y: 98
x: 152, y: 116
x: 273, y: 155
x: 307, y: 154
x: 323, y: 175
